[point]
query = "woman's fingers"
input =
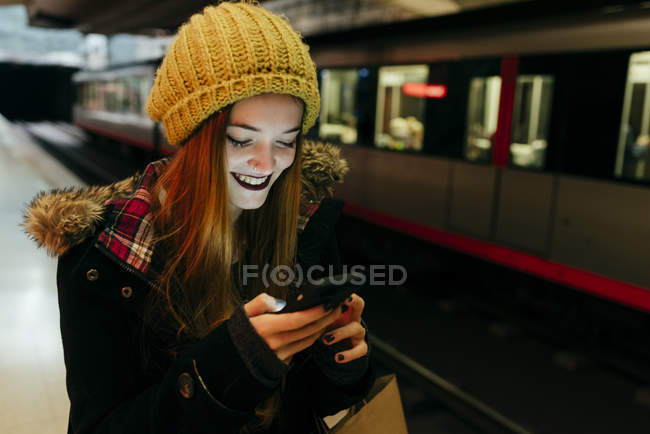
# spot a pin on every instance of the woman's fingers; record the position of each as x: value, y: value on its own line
x: 353, y: 309
x: 359, y: 350
x: 263, y: 303
x: 353, y: 330
x: 296, y: 346
x: 270, y: 323
x: 281, y: 339
x: 356, y: 307
x: 297, y: 320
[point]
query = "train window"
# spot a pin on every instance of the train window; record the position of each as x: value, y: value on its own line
x: 531, y: 120
x: 89, y: 88
x: 81, y: 94
x: 120, y: 89
x: 110, y: 96
x: 98, y: 96
x: 482, y: 116
x: 632, y: 159
x: 338, y: 116
x: 128, y: 97
x: 145, y: 84
x: 113, y: 96
x: 401, y: 98
x: 587, y: 91
x: 133, y: 99
x: 86, y: 88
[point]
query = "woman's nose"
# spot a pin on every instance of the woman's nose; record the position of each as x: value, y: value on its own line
x: 262, y: 160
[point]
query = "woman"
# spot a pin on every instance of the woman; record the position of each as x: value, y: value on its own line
x: 160, y: 332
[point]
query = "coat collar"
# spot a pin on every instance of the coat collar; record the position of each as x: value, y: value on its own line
x: 62, y: 218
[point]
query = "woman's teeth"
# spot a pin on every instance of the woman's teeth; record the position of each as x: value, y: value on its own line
x: 250, y: 180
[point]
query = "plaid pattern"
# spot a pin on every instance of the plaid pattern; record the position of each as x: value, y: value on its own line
x: 128, y: 233
x: 307, y: 209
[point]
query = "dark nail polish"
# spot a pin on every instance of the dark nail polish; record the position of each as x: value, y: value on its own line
x: 350, y: 298
x: 340, y: 357
x: 344, y: 308
x: 329, y: 338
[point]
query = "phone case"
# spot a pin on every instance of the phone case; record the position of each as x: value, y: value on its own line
x: 330, y: 294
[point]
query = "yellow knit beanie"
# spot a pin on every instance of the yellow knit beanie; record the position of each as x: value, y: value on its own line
x: 226, y: 53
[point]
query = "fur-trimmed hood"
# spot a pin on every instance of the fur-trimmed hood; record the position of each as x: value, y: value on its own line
x: 61, y: 218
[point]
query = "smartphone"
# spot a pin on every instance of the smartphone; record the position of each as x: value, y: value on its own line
x: 331, y: 292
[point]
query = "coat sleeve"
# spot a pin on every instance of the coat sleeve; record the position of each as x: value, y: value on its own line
x: 330, y: 397
x: 207, y: 389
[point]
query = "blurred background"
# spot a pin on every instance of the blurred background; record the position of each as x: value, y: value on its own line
x: 498, y: 151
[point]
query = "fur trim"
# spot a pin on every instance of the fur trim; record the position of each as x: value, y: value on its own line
x: 61, y: 218
x: 322, y: 168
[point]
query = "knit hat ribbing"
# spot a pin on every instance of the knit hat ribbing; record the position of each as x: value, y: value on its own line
x: 226, y: 53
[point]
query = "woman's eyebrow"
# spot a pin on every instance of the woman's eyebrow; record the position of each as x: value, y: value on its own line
x: 248, y: 127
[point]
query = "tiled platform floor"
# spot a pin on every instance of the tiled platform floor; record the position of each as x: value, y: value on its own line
x: 32, y: 374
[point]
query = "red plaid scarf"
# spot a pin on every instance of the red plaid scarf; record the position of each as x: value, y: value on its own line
x: 128, y: 234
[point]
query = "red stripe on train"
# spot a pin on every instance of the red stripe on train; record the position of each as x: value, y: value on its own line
x: 616, y: 290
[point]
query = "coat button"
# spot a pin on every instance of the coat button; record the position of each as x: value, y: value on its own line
x: 127, y: 292
x: 92, y: 274
x: 185, y: 385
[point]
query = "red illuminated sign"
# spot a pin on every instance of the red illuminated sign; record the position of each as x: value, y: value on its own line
x: 425, y: 90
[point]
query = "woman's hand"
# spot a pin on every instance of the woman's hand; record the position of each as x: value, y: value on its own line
x: 348, y: 326
x: 288, y: 333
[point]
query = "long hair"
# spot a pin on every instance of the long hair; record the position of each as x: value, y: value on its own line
x: 199, y: 244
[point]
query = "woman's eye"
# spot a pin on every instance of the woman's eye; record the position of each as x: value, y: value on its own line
x: 287, y: 144
x: 237, y: 142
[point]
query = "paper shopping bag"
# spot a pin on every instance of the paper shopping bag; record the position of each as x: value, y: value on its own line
x: 380, y: 413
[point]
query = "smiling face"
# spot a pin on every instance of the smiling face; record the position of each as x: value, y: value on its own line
x: 260, y: 145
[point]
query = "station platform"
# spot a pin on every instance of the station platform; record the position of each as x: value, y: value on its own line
x: 33, y: 396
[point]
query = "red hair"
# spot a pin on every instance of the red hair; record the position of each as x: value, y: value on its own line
x: 195, y: 236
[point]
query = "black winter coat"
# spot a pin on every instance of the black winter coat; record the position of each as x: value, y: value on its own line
x: 211, y: 386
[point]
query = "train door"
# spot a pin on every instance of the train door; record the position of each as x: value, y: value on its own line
x: 530, y: 121
x: 482, y: 117
x: 632, y: 157
x: 523, y: 198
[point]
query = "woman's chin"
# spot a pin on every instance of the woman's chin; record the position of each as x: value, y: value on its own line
x: 247, y: 199
x: 250, y: 203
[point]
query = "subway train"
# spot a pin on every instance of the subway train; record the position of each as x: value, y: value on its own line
x: 519, y: 140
